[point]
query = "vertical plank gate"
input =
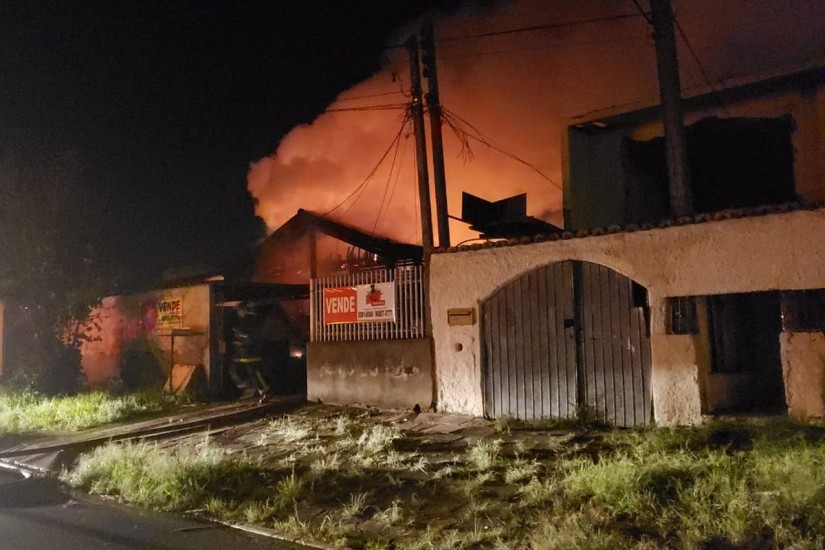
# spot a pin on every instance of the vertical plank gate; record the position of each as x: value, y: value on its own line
x: 529, y: 346
x: 562, y: 335
x: 615, y: 346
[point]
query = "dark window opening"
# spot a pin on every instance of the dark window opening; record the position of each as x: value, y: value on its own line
x: 734, y: 163
x: 744, y: 338
x: 803, y: 310
x: 681, y: 315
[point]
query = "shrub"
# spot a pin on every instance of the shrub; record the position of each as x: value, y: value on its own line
x: 141, y: 364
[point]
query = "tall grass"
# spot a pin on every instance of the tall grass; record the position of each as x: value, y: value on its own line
x: 716, y: 486
x: 149, y: 475
x: 743, y: 486
x: 29, y: 412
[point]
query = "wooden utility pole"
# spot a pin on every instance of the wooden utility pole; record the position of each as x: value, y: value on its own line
x: 417, y: 111
x: 681, y: 196
x: 434, y: 107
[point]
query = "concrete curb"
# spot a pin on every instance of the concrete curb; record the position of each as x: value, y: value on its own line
x: 272, y: 534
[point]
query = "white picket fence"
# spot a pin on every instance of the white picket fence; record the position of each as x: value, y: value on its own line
x: 409, y: 304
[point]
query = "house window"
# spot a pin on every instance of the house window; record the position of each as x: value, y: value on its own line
x: 734, y: 163
x: 803, y: 310
x: 681, y: 315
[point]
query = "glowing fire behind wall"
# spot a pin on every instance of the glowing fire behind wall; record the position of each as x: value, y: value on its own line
x: 516, y: 89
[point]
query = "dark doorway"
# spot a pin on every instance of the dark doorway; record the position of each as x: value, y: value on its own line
x: 281, y: 331
x: 744, y: 338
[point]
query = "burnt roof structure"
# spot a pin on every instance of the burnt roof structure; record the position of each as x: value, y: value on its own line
x: 273, y: 257
x: 303, y: 222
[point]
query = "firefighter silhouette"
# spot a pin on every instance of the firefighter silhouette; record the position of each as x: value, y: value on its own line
x: 247, y: 354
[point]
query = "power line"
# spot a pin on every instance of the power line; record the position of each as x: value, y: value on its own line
x: 692, y: 52
x: 457, y: 124
x: 533, y: 28
x: 368, y: 96
x: 385, y: 107
x: 547, y: 26
x: 714, y: 92
x: 367, y: 179
x: 397, y: 175
x: 389, y: 179
x: 547, y: 47
x: 644, y: 14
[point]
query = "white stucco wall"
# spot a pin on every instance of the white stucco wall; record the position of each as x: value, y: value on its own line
x: 772, y: 252
x: 803, y: 370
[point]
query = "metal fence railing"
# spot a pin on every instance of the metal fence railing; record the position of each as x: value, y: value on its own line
x: 409, y: 306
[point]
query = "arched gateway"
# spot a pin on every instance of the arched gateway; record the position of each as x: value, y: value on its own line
x: 566, y: 336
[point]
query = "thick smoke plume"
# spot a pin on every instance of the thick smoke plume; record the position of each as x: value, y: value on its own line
x: 516, y: 89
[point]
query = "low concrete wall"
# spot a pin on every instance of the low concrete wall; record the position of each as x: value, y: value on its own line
x: 772, y: 252
x: 384, y: 373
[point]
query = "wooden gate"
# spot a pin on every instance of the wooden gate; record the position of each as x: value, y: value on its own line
x: 565, y: 335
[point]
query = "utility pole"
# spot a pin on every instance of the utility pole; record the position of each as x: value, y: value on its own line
x: 681, y: 196
x: 434, y: 107
x: 417, y: 111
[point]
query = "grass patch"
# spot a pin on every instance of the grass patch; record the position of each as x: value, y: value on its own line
x: 349, y: 484
x: 29, y: 412
x: 484, y: 454
x: 147, y: 474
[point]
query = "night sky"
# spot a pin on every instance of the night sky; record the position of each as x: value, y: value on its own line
x: 164, y: 104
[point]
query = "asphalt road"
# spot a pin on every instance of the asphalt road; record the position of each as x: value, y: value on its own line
x: 40, y: 514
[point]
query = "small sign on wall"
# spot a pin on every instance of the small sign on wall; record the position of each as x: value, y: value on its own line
x: 170, y: 313
x: 461, y: 316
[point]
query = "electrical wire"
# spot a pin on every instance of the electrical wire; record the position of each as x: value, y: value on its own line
x: 369, y: 96
x: 389, y: 179
x: 533, y: 28
x: 385, y: 107
x: 361, y: 186
x: 548, y: 26
x: 394, y: 184
x: 460, y: 126
x: 714, y: 92
x: 548, y: 47
x: 644, y: 14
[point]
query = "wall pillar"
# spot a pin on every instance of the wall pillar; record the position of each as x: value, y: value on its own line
x: 675, y: 380
x: 803, y: 371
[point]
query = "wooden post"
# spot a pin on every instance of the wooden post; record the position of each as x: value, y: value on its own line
x: 681, y: 195
x: 417, y: 112
x: 434, y: 108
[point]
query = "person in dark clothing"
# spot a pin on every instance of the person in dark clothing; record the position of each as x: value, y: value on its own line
x: 247, y: 354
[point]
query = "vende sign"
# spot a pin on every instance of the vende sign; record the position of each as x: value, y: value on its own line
x: 371, y: 303
x: 170, y: 313
x: 339, y: 305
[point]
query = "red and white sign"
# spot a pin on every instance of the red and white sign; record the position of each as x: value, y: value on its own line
x: 339, y: 305
x: 376, y: 303
x: 371, y: 303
